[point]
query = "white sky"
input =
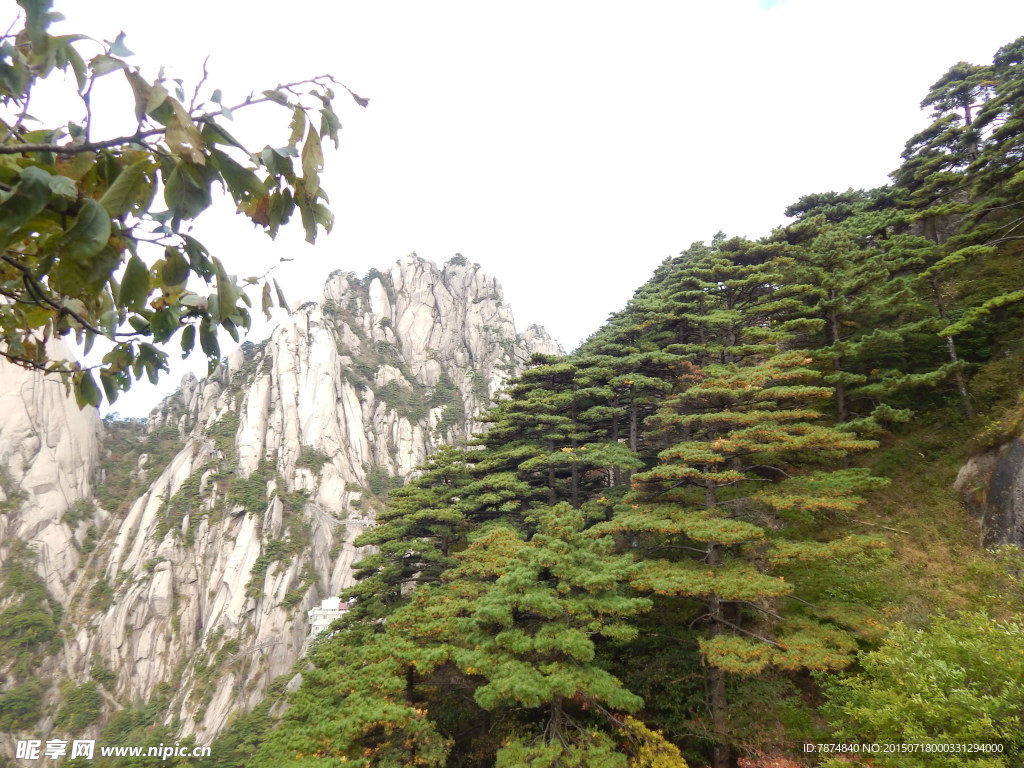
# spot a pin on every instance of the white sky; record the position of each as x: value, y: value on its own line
x: 568, y: 147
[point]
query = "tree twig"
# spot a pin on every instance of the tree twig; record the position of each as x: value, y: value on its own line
x: 876, y: 525
x: 74, y: 149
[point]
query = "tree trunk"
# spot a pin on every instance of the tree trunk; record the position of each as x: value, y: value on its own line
x: 616, y: 471
x: 958, y: 375
x: 842, y: 413
x: 722, y: 755
x: 633, y: 418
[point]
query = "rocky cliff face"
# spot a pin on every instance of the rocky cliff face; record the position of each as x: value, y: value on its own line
x: 49, y: 453
x: 992, y: 485
x: 195, y: 552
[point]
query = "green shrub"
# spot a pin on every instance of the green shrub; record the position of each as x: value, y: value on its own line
x: 102, y: 674
x: 15, y: 496
x: 21, y: 706
x: 959, y: 680
x: 81, y: 707
x: 312, y: 458
x: 81, y: 509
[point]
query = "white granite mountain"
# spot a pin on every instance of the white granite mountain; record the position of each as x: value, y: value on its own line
x: 195, y: 579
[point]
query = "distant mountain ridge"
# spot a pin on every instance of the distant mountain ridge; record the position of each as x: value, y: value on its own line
x: 180, y: 557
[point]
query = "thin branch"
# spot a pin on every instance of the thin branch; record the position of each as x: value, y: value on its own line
x: 90, y: 146
x: 773, y: 469
x: 250, y: 100
x: 195, y: 93
x: 699, y: 618
x: 876, y: 525
x: 46, y: 367
x: 758, y: 607
x: 745, y: 632
x: 74, y: 149
x: 7, y: 34
x: 674, y: 546
x: 17, y: 128
x: 805, y: 602
x: 32, y: 287
x: 87, y: 100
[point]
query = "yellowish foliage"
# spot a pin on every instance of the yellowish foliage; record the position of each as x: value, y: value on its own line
x: 652, y: 749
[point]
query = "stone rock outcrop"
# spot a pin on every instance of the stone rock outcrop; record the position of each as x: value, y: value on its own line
x: 49, y: 454
x: 992, y: 485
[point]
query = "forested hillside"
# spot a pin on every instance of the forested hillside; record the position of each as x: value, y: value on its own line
x: 726, y: 525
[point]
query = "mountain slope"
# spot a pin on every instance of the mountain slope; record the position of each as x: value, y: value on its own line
x: 234, y: 513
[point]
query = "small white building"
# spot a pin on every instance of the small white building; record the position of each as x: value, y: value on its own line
x: 320, y: 618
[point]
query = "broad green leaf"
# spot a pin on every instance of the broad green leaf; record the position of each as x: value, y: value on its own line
x: 312, y: 161
x: 118, y: 48
x: 139, y: 323
x: 329, y: 124
x: 88, y: 234
x: 227, y: 291
x: 281, y: 301
x: 153, y: 360
x: 63, y: 186
x: 110, y: 385
x: 208, y: 342
x: 183, y: 137
x: 308, y: 222
x: 86, y: 391
x: 37, y: 14
x: 277, y: 97
x: 185, y: 191
x: 297, y: 125
x: 29, y: 198
x: 213, y: 133
x: 104, y: 65
x: 276, y: 163
x: 125, y: 190
x: 157, y: 96
x: 314, y: 215
x: 268, y: 302
x: 99, y: 268
x: 83, y: 163
x: 323, y: 216
x: 282, y: 205
x: 198, y: 257
x: 77, y: 66
x: 109, y: 322
x: 175, y: 269
x: 35, y: 316
x: 188, y: 340
x: 192, y: 300
x: 241, y: 182
x: 134, y: 285
x: 163, y: 324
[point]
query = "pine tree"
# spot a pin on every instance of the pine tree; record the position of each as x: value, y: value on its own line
x: 357, y: 706
x: 532, y: 636
x: 414, y: 537
x: 726, y: 494
x: 514, y: 623
x: 841, y: 278
x: 552, y: 432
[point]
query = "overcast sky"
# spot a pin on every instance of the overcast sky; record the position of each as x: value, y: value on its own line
x: 567, y: 147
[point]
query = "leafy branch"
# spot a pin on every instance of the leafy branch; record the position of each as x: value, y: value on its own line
x: 86, y: 250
